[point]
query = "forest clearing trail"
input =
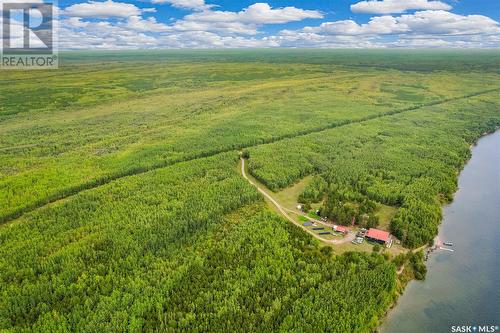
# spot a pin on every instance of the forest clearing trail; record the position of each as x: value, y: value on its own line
x: 95, y: 183
x: 283, y: 211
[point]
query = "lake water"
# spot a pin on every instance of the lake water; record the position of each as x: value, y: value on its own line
x: 462, y: 287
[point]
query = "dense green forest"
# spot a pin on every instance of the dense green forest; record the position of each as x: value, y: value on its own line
x: 188, y: 247
x: 122, y: 207
x: 409, y: 160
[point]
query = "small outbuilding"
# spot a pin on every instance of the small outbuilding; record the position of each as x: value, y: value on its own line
x: 341, y: 229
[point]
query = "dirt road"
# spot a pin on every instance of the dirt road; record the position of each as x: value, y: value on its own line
x: 283, y: 212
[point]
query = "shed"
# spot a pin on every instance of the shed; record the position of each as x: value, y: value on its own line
x: 340, y: 228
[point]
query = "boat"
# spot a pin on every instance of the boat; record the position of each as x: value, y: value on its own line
x: 447, y: 249
x: 448, y: 243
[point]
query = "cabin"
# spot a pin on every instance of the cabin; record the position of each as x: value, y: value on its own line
x: 341, y: 229
x: 379, y: 236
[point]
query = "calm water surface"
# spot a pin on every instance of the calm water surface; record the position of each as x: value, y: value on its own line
x: 462, y: 287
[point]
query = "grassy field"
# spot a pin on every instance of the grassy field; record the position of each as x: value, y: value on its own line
x: 122, y: 208
x: 288, y: 197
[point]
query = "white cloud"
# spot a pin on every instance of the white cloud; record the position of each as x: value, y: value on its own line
x: 461, y: 41
x: 192, y: 39
x: 258, y: 13
x: 432, y: 28
x: 150, y: 24
x: 186, y: 4
x: 290, y: 38
x: 376, y: 26
x: 204, y: 28
x: 431, y: 22
x: 74, y: 22
x: 116, y: 25
x: 427, y: 43
x: 104, y: 35
x: 245, y: 22
x: 19, y: 1
x: 446, y: 23
x: 104, y: 9
x: 225, y: 28
x: 397, y: 6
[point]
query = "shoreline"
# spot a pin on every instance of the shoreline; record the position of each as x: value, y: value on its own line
x: 384, y: 318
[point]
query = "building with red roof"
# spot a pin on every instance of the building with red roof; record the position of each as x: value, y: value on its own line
x: 341, y: 229
x: 379, y: 236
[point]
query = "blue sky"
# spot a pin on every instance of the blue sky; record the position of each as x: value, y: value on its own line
x: 122, y: 24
